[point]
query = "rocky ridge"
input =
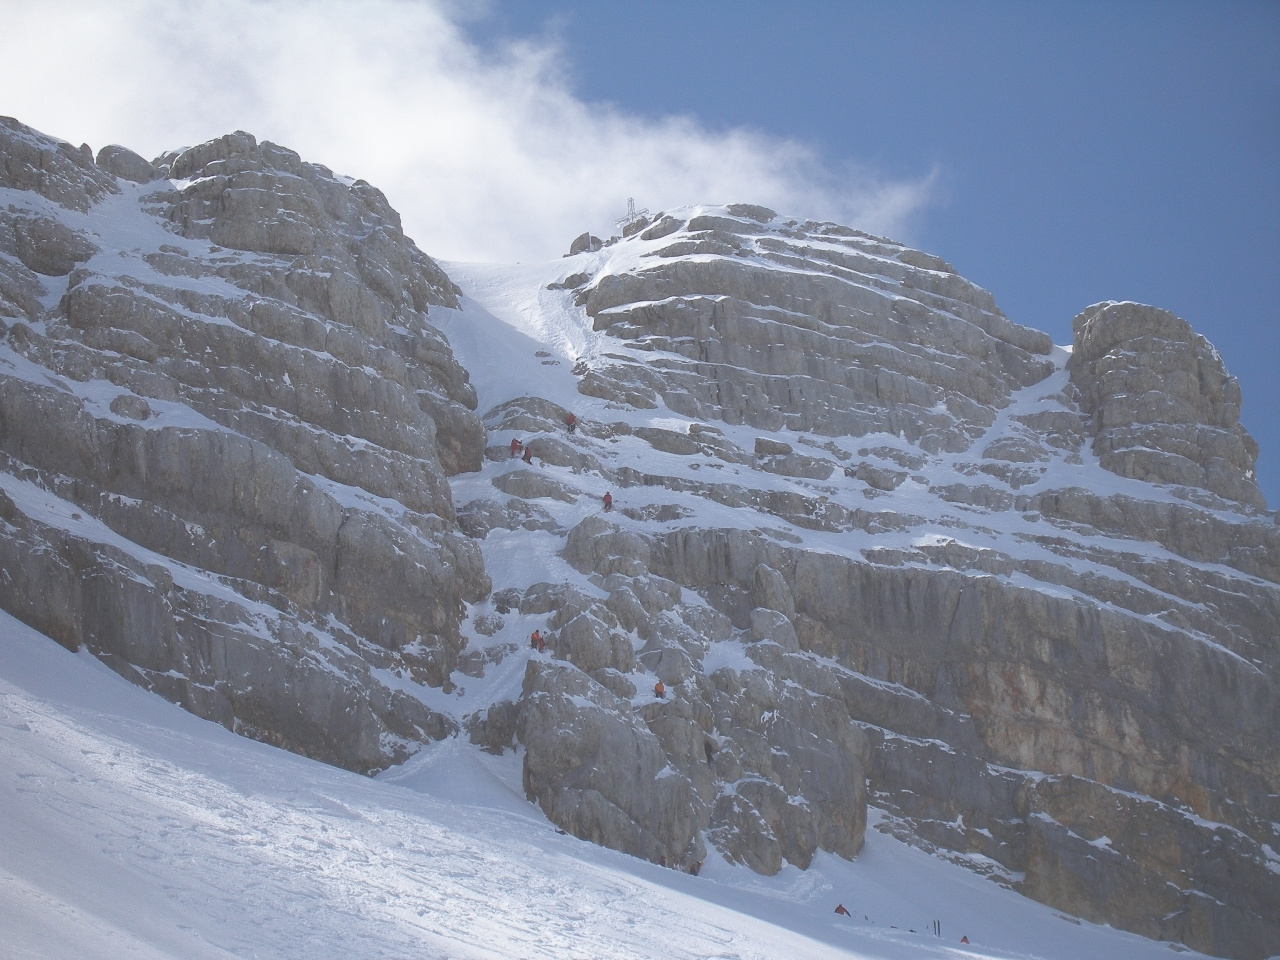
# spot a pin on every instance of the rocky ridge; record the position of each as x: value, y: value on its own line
x: 226, y: 428
x: 880, y: 544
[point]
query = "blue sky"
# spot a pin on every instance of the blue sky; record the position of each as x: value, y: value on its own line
x: 1080, y: 152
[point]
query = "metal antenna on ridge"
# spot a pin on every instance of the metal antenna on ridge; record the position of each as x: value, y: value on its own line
x: 632, y: 215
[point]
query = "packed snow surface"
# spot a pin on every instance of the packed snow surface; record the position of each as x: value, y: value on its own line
x: 132, y: 829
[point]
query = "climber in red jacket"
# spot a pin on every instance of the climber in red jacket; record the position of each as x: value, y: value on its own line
x: 515, y: 446
x: 608, y: 502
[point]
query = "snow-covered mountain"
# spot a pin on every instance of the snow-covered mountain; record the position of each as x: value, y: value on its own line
x: 893, y: 557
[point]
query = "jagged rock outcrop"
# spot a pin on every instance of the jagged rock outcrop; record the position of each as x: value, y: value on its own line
x: 868, y: 337
x: 769, y: 770
x: 123, y: 163
x: 599, y: 772
x: 51, y: 168
x: 226, y: 428
x: 1161, y: 404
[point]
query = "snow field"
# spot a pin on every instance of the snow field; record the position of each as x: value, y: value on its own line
x: 132, y: 829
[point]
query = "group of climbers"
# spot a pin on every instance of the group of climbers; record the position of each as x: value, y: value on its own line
x: 536, y: 639
x: 571, y: 423
x: 517, y: 446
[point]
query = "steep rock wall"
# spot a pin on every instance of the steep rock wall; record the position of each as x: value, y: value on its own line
x: 849, y: 560
x: 1162, y: 406
x: 226, y: 427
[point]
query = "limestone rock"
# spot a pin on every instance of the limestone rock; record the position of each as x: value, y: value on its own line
x: 478, y: 517
x: 668, y: 441
x: 530, y: 485
x: 133, y: 407
x: 585, y: 243
x: 598, y: 772
x: 124, y: 163
x: 765, y: 447
x: 1069, y: 686
x: 263, y: 197
x: 571, y: 282
x: 877, y: 477
x: 225, y: 430
x: 744, y: 836
x: 590, y: 646
x: 760, y: 344
x: 51, y: 168
x: 596, y: 545
x: 1163, y: 407
x: 494, y: 728
x: 226, y: 465
x: 769, y: 589
x: 20, y: 288
x: 1083, y: 836
x: 798, y: 465
x: 44, y: 245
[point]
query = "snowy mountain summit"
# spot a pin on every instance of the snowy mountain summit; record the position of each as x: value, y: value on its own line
x: 867, y: 541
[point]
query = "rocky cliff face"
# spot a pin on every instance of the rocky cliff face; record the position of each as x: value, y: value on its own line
x: 879, y: 544
x: 226, y: 428
x: 868, y: 530
x: 808, y: 327
x: 1161, y: 405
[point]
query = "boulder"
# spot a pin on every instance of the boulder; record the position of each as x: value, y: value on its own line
x: 598, y: 772
x: 585, y: 243
x: 48, y: 247
x: 124, y: 163
x: 531, y: 485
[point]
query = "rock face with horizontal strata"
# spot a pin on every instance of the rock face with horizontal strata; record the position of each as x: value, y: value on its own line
x: 928, y: 605
x: 808, y: 326
x: 226, y: 427
x: 1161, y: 404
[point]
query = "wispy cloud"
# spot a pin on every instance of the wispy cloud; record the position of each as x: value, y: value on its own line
x: 487, y: 155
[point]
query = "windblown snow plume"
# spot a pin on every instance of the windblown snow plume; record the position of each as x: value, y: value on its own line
x: 488, y: 155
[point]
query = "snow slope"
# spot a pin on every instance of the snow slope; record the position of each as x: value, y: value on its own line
x: 130, y: 828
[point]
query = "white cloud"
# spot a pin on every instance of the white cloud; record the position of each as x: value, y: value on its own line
x: 487, y: 156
